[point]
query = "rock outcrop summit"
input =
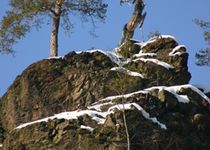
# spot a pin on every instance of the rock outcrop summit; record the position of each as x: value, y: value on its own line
x: 85, y: 100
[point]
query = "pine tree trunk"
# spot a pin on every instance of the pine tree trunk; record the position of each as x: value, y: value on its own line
x: 54, y: 37
x: 55, y: 29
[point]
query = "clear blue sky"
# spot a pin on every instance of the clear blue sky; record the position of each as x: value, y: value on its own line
x: 172, y: 17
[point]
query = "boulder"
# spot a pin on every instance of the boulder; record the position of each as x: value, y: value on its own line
x: 162, y: 61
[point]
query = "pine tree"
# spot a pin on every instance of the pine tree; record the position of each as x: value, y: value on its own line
x: 203, y: 56
x: 25, y: 14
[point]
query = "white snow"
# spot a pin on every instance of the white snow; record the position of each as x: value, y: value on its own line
x: 99, y: 117
x: 97, y: 106
x: 198, y: 91
x: 168, y: 36
x: 114, y: 57
x: 71, y: 115
x: 206, y: 88
x: 131, y: 73
x: 110, y: 98
x: 143, y: 44
x: 140, y: 54
x: 153, y: 39
x: 91, y: 51
x: 56, y: 57
x: 173, y: 90
x: 144, y: 113
x: 181, y: 98
x: 135, y: 40
x: 156, y: 61
x: 147, y: 116
x: 175, y: 52
x: 87, y: 128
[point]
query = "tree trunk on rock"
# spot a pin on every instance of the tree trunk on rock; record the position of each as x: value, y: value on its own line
x: 55, y: 28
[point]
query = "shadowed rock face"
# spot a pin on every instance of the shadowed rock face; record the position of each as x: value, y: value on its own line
x: 160, y: 111
x: 55, y: 85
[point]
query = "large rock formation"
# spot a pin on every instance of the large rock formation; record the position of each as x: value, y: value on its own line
x: 92, y: 92
x: 161, y: 60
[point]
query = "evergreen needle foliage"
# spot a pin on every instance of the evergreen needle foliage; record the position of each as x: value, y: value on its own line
x: 203, y: 56
x: 25, y: 14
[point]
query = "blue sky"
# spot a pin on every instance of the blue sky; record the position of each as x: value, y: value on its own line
x: 173, y: 17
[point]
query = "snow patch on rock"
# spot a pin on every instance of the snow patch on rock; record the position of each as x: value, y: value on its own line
x: 87, y: 128
x: 156, y: 61
x: 126, y: 71
x: 98, y: 116
x: 175, y: 51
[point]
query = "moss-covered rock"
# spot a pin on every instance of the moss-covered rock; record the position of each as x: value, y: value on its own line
x: 129, y: 48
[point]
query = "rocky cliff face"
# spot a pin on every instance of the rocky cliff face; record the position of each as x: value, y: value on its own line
x: 78, y: 101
